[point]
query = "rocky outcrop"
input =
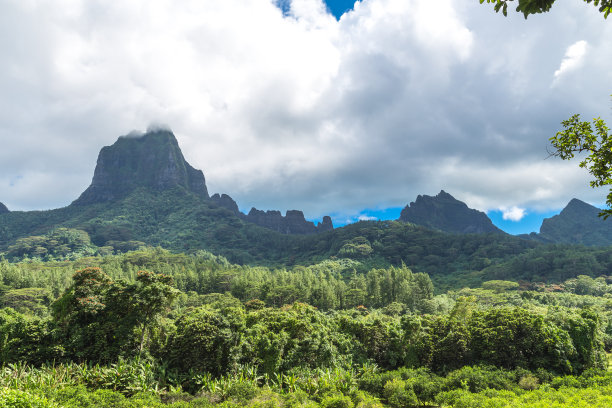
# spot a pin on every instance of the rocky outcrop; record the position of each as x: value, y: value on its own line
x: 578, y: 223
x: 325, y: 225
x: 153, y: 160
x: 292, y: 223
x: 445, y: 213
x: 3, y: 209
x: 226, y: 201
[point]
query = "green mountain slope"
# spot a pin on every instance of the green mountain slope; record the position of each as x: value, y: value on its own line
x: 144, y: 194
x: 578, y: 223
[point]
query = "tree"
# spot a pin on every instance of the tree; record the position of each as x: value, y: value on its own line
x: 152, y: 295
x: 594, y: 140
x: 528, y: 7
x: 100, y: 319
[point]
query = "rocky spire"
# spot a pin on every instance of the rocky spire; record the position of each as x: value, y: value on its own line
x: 152, y: 160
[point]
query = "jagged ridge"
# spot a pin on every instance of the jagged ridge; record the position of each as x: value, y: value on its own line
x: 445, y: 213
x: 292, y: 223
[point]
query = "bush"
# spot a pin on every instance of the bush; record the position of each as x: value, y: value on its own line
x: 529, y: 382
x: 364, y: 400
x: 242, y: 391
x: 399, y: 394
x: 10, y: 398
x: 476, y: 379
x: 336, y: 401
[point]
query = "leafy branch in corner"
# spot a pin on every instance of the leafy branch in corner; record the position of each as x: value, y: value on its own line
x: 528, y: 7
x: 593, y: 139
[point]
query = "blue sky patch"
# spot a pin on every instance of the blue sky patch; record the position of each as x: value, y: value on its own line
x: 531, y: 222
x: 339, y: 7
x: 336, y: 7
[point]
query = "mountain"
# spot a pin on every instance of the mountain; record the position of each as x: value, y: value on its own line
x: 445, y: 213
x: 578, y: 223
x: 225, y: 201
x: 3, y: 209
x: 144, y: 191
x: 292, y: 223
x: 152, y: 160
x: 134, y: 202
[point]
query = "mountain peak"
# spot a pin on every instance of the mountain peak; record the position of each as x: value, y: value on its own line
x: 152, y: 160
x: 578, y: 205
x: 448, y: 214
x: 444, y: 195
x: 3, y: 209
x: 577, y: 223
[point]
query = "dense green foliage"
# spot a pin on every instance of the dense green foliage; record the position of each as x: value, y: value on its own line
x: 201, y: 331
x: 182, y: 222
x: 347, y: 318
x: 528, y: 7
x: 595, y: 140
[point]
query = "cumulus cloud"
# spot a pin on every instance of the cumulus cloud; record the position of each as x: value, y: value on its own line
x: 513, y: 213
x: 574, y: 56
x: 295, y: 109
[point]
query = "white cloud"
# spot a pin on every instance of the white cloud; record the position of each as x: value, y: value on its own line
x: 398, y: 98
x: 364, y: 217
x: 574, y: 55
x: 513, y: 213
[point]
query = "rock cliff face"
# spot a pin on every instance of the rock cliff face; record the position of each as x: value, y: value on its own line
x: 445, y: 213
x: 153, y: 160
x: 3, y: 209
x: 225, y: 201
x: 292, y: 223
x: 325, y: 224
x: 578, y: 223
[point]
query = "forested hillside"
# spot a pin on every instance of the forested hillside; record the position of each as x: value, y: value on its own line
x: 146, y: 292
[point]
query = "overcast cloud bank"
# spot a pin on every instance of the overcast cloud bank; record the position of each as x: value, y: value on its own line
x: 297, y: 110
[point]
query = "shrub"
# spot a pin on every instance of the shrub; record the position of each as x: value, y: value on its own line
x: 529, y: 382
x: 10, y: 398
x: 399, y: 394
x: 336, y: 401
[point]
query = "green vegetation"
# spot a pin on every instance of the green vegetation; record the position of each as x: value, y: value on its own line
x: 182, y: 222
x: 200, y: 331
x: 580, y: 137
x: 120, y: 305
x: 528, y: 7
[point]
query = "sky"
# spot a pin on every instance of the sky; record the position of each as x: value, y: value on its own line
x: 284, y: 105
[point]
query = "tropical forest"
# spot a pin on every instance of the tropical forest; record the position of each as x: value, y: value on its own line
x: 149, y: 291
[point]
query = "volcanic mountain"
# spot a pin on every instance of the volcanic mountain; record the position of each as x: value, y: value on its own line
x: 578, y: 223
x: 445, y: 213
x: 153, y: 160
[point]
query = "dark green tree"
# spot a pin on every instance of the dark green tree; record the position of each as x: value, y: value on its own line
x: 580, y: 137
x: 528, y: 7
x: 100, y: 319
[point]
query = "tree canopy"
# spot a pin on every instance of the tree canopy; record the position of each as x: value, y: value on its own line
x: 596, y: 141
x: 528, y: 7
